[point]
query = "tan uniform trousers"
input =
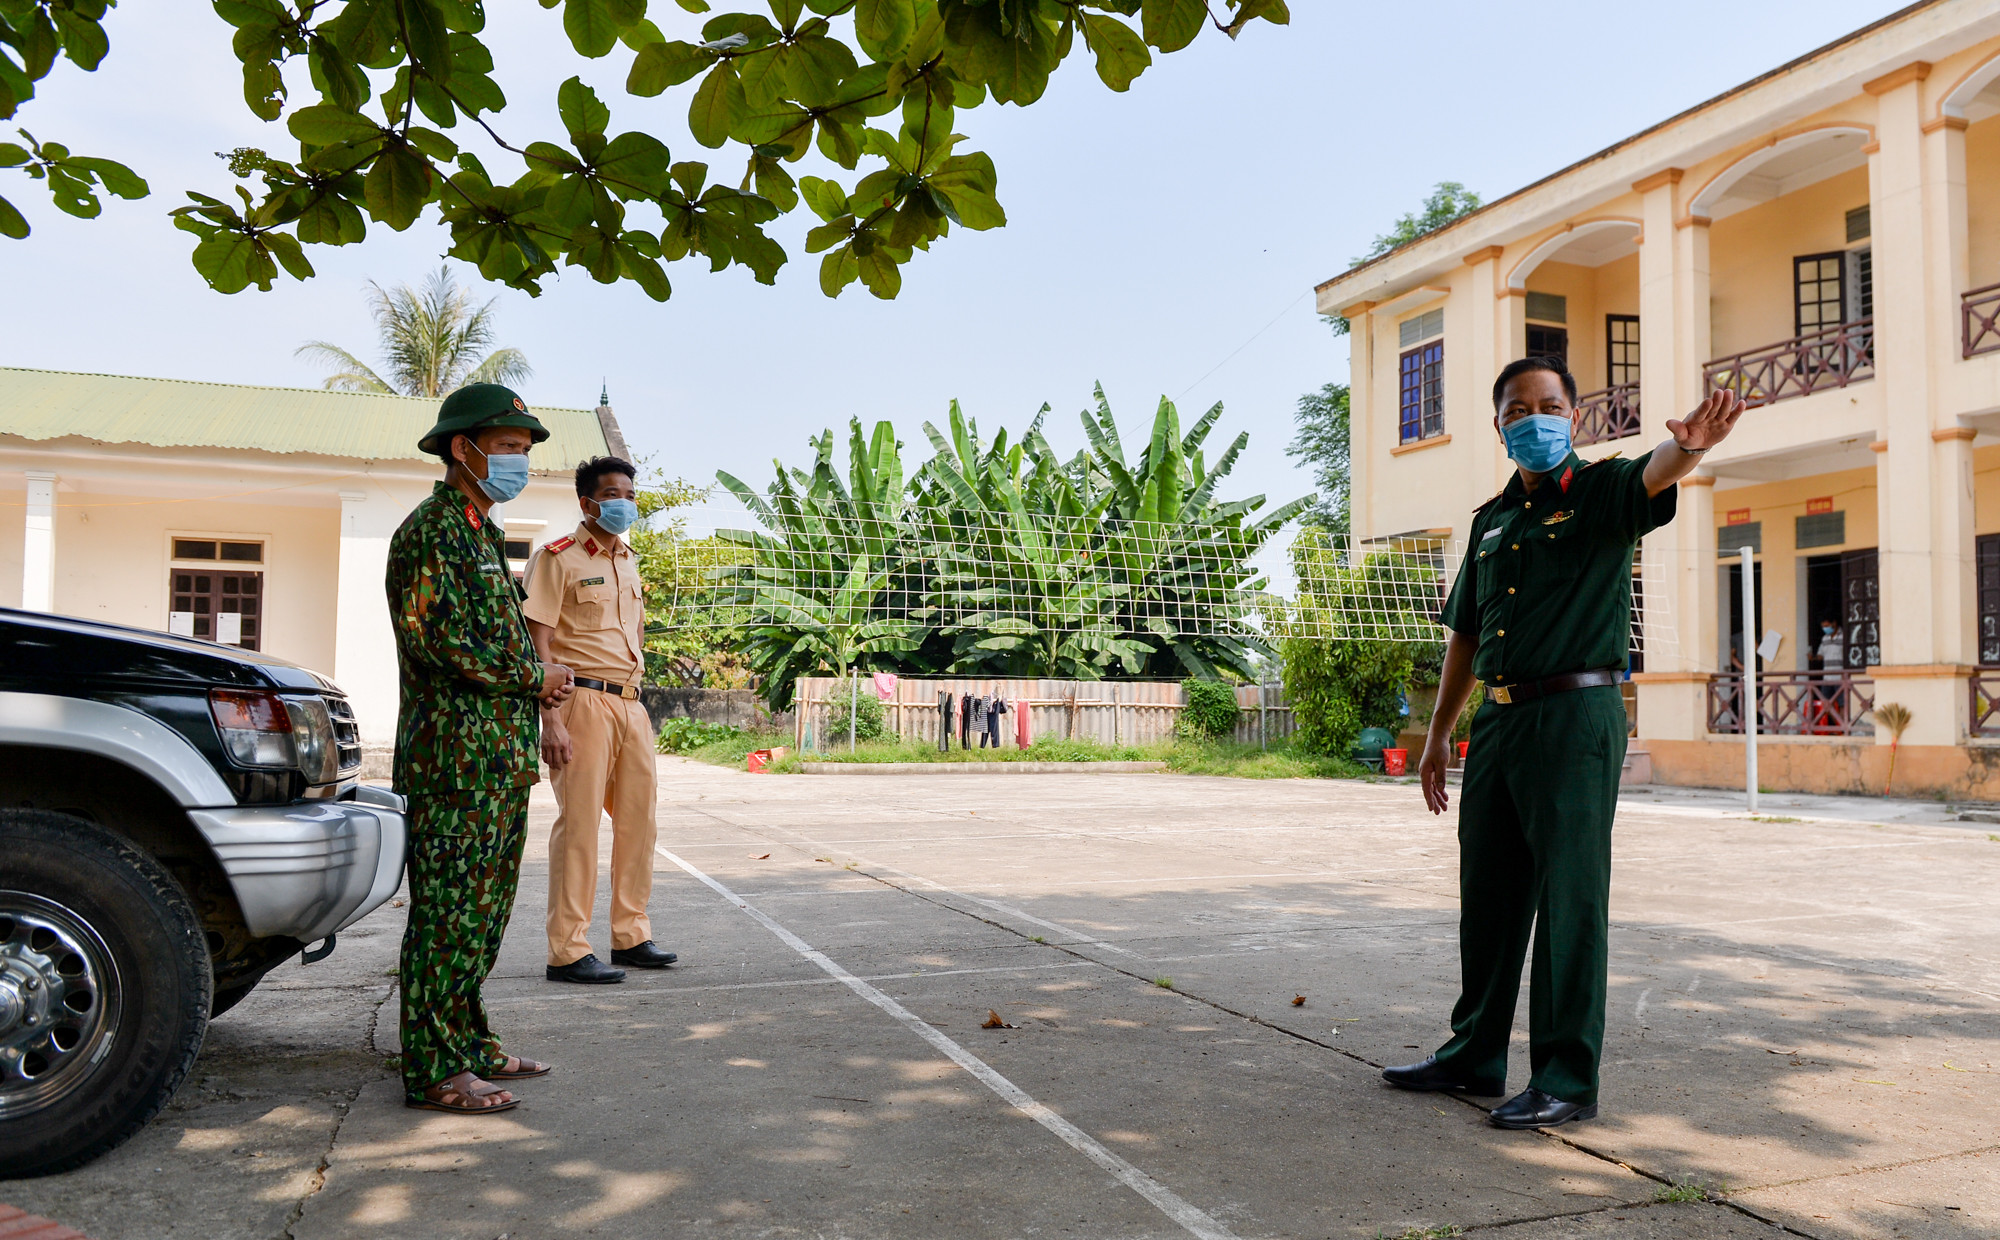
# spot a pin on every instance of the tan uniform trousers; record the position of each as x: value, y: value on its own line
x: 611, y: 770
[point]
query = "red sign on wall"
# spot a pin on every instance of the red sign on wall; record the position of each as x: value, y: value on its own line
x: 1823, y: 504
x: 1739, y: 516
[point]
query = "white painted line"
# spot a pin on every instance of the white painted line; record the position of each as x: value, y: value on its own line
x: 602, y: 995
x: 1195, y: 1222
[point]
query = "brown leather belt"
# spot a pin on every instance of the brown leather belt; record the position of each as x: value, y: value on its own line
x: 1528, y: 691
x: 629, y: 692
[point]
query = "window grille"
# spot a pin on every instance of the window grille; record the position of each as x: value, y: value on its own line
x: 1729, y: 539
x: 1621, y: 336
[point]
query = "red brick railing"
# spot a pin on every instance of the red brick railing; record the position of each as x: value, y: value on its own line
x: 1608, y: 413
x: 1832, y: 358
x: 1829, y: 703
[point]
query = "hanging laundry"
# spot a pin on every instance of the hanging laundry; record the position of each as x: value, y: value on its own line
x: 993, y: 713
x: 885, y: 686
x: 1021, y: 713
x: 944, y: 721
x: 965, y: 721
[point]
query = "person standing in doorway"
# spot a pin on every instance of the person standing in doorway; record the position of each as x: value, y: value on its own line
x: 466, y: 735
x: 586, y: 609
x: 1542, y: 614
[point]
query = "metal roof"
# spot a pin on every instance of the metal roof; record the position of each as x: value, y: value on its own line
x: 179, y: 413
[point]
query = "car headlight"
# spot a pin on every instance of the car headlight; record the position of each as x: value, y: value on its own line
x: 262, y: 729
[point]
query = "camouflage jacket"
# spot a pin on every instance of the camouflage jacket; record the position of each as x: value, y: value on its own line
x: 468, y: 672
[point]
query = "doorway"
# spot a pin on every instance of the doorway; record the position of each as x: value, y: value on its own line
x: 1733, y: 653
x: 1822, y: 598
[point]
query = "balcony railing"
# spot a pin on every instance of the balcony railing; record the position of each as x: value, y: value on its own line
x: 1828, y: 703
x: 1832, y: 358
x: 1986, y: 702
x: 1608, y: 413
x: 1977, y: 311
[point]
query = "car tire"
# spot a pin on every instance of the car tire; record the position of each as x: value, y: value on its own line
x: 105, y: 990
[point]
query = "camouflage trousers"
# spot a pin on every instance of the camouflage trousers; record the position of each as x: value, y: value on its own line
x: 465, y: 864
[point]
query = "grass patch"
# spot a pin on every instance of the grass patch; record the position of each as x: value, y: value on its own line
x: 1280, y: 761
x: 1051, y: 750
x: 1771, y: 818
x: 1164, y: 983
x: 1446, y: 1232
x: 734, y: 750
x: 1680, y: 1194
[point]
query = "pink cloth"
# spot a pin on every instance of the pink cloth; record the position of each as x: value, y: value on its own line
x: 885, y: 686
x: 1021, y: 724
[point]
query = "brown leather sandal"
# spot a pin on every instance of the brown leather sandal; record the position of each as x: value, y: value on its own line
x: 462, y: 1098
x: 523, y: 1069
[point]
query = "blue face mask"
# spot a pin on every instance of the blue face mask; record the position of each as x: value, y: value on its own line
x: 615, y: 516
x: 506, y: 475
x: 1539, y: 442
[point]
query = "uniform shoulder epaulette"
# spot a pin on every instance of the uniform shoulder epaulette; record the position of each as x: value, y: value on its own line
x: 1489, y: 503
x: 1600, y: 460
x: 561, y: 544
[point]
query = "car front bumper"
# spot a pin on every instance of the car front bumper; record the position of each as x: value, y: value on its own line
x: 309, y: 869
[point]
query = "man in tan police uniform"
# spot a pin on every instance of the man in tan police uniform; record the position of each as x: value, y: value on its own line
x: 584, y: 599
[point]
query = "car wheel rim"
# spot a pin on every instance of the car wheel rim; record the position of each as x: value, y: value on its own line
x: 59, y: 1002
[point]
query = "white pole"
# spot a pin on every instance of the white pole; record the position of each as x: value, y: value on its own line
x: 1751, y: 704
x: 853, y: 707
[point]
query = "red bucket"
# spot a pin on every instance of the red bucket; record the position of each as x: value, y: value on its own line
x: 1395, y: 761
x: 758, y: 761
x: 1461, y: 749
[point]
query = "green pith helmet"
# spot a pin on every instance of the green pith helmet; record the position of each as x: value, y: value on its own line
x: 475, y: 407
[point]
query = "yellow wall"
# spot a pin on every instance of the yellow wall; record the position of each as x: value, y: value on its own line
x: 1750, y: 259
x: 13, y: 531
x: 1592, y: 293
x: 112, y: 555
x: 1779, y: 505
x: 1982, y: 202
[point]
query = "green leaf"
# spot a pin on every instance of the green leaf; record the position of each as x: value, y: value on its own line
x: 591, y: 26
x: 331, y: 220
x: 116, y: 177
x: 326, y: 125
x: 884, y: 28
x: 11, y: 222
x: 635, y: 161
x: 286, y: 250
x: 716, y: 105
x: 646, y: 272
x: 263, y: 89
x: 433, y: 143
x: 83, y: 39
x: 1171, y: 25
x: 582, y: 112
x: 427, y: 38
x: 1121, y: 54
x: 12, y: 156
x: 398, y: 186
x: 880, y: 273
x: 827, y: 200
x: 660, y: 65
x: 815, y: 69
x: 837, y: 270
x: 224, y: 261
x: 773, y: 182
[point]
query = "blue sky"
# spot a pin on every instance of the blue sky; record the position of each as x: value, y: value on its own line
x: 1164, y: 241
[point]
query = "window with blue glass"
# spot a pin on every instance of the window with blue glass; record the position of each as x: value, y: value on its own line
x: 1422, y: 406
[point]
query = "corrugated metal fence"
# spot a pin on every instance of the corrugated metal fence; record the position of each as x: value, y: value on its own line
x: 1111, y: 712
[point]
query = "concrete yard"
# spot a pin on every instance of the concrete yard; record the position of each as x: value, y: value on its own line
x: 1804, y: 1021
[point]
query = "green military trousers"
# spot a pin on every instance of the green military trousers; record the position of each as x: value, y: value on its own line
x: 465, y: 864
x: 1534, y: 847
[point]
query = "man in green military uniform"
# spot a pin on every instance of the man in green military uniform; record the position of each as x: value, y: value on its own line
x: 467, y: 740
x: 1542, y: 614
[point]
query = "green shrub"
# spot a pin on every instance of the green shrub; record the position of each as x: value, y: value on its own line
x: 870, y: 723
x: 1337, y: 688
x: 683, y: 735
x: 1210, y: 712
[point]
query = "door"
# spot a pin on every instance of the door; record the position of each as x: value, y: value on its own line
x: 1621, y: 347
x: 1861, y: 609
x: 207, y: 596
x: 1544, y: 341
x: 1819, y: 292
x: 1987, y: 561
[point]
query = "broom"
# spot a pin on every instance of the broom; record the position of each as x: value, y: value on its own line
x: 1896, y: 717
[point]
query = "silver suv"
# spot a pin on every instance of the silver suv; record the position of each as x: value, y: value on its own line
x: 176, y: 819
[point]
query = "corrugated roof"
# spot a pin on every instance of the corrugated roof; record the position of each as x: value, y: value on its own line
x: 178, y: 413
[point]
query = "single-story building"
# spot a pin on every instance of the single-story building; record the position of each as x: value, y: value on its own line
x: 257, y: 516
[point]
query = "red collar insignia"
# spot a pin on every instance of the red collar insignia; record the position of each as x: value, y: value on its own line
x: 1568, y: 473
x: 472, y: 515
x: 590, y: 546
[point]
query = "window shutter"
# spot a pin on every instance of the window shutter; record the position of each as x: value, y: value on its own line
x: 1729, y: 539
x: 1820, y: 529
x: 1421, y: 328
x: 1857, y: 224
x: 1548, y: 307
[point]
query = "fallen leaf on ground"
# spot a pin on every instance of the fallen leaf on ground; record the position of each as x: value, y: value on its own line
x: 828, y: 860
x: 397, y: 902
x: 1769, y: 1051
x: 761, y: 857
x: 1298, y: 1000
x: 1949, y: 1068
x: 993, y: 1021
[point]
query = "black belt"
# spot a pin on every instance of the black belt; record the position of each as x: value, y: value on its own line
x: 1528, y: 691
x: 629, y: 692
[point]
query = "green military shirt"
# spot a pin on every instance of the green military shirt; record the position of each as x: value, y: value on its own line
x: 469, y: 675
x: 1546, y: 586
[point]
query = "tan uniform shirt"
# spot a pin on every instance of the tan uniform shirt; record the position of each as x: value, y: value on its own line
x: 589, y: 594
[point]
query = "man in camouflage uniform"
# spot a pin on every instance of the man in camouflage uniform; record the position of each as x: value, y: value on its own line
x: 467, y: 736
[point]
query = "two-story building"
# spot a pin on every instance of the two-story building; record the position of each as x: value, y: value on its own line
x: 1824, y: 239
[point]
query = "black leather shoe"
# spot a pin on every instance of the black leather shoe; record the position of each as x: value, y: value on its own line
x: 589, y: 970
x: 644, y: 956
x: 1432, y: 1076
x: 1531, y: 1108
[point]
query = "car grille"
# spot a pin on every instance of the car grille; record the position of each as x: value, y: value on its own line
x: 346, y: 736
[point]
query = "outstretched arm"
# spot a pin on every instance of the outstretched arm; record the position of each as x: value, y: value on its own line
x: 1701, y: 430
x: 1454, y: 687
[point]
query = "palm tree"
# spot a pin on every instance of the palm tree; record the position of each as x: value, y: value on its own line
x: 431, y: 343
